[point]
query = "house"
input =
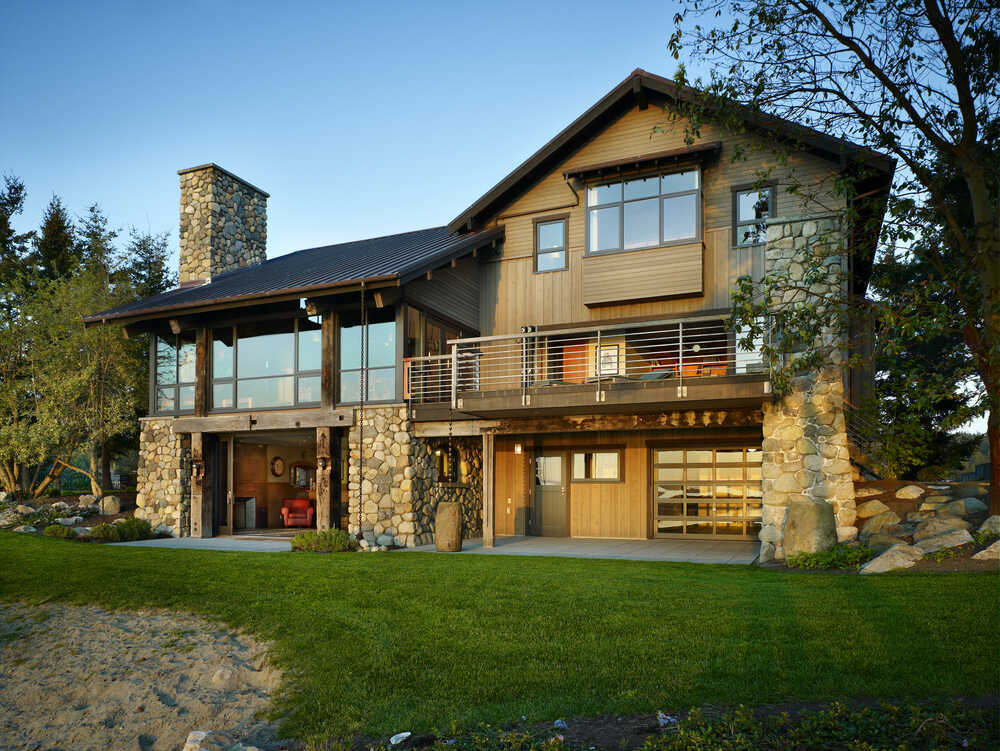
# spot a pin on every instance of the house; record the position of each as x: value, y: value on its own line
x: 555, y: 359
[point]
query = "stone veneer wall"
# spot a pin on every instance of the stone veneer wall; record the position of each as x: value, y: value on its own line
x: 806, y: 454
x: 164, y: 477
x: 223, y: 223
x: 397, y: 474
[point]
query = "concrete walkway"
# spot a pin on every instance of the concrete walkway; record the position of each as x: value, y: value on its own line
x: 689, y: 551
x: 245, y: 544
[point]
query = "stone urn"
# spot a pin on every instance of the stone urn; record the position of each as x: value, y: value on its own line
x: 448, y: 527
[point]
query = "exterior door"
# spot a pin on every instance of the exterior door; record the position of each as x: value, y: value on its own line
x: 550, y: 495
x: 222, y: 479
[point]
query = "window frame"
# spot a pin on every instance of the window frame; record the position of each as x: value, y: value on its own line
x: 366, y: 367
x: 620, y: 470
x: 232, y: 381
x: 177, y: 385
x: 553, y: 219
x: 769, y: 186
x: 659, y: 197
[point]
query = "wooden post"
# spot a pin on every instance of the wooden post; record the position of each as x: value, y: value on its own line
x: 201, y: 384
x: 324, y: 468
x: 201, y: 494
x: 489, y: 466
x: 328, y: 364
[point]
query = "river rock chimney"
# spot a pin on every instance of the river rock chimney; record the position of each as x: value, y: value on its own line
x: 223, y: 223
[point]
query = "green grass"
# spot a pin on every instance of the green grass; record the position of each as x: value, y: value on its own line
x: 377, y: 643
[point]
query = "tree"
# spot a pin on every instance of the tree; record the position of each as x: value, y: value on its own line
x: 96, y: 247
x: 56, y: 253
x: 13, y: 246
x: 145, y: 262
x: 918, y: 80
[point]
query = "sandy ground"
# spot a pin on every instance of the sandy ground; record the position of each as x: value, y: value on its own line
x: 84, y: 678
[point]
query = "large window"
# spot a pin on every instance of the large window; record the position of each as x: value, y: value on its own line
x: 644, y: 212
x: 550, y: 244
x: 380, y: 353
x: 267, y: 364
x: 174, y: 373
x: 751, y: 208
x: 597, y: 466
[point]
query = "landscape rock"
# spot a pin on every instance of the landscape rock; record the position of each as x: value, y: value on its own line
x: 111, y: 504
x: 60, y: 506
x: 878, y: 523
x: 846, y: 534
x: 939, y: 525
x: 970, y: 491
x: 919, y: 516
x: 992, y: 553
x: 866, y: 492
x: 991, y: 525
x: 909, y: 492
x: 942, y: 542
x: 22, y: 509
x: 86, y: 500
x: 448, y: 527
x: 766, y: 554
x: 6, y: 497
x: 810, y: 527
x: 965, y: 507
x: 70, y: 521
x: 882, y: 541
x: 896, y: 557
x: 384, y: 540
x: 82, y: 531
x: 869, y: 509
x: 25, y: 528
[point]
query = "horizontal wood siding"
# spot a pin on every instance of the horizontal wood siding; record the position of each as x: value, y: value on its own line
x: 452, y: 292
x: 513, y: 295
x: 642, y: 274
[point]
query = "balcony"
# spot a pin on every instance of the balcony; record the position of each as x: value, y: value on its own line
x: 647, y: 366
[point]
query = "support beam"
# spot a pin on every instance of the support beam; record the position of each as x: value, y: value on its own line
x: 201, y: 384
x: 324, y: 469
x: 489, y: 485
x: 201, y: 494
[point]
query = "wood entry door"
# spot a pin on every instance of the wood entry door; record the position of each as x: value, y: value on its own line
x: 222, y: 485
x: 550, y: 495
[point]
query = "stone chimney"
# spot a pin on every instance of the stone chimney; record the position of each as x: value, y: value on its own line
x: 223, y: 223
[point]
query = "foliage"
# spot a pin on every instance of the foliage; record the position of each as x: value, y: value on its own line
x: 105, y: 533
x: 984, y: 538
x: 327, y: 541
x: 59, y: 530
x: 839, y: 556
x: 56, y: 252
x: 542, y: 637
x: 134, y: 529
x: 918, y: 80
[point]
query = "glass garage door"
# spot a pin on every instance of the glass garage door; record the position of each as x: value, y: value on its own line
x: 706, y: 492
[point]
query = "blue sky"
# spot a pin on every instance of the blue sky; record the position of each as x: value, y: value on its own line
x: 359, y: 119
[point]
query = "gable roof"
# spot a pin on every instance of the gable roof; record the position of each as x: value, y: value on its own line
x: 400, y: 258
x: 635, y: 91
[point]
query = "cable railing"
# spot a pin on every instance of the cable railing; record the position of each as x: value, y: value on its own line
x: 663, y: 353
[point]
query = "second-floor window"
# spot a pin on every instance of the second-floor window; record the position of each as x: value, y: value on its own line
x: 174, y: 373
x: 550, y: 245
x: 267, y: 364
x: 645, y: 212
x: 379, y: 357
x: 751, y: 208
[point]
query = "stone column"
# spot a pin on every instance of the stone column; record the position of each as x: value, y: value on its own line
x: 805, y: 445
x: 163, y: 477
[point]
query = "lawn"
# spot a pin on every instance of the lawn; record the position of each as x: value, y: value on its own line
x: 376, y: 643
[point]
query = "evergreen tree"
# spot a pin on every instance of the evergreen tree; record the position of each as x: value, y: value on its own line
x: 145, y: 262
x: 97, y: 248
x: 56, y: 254
x: 13, y: 246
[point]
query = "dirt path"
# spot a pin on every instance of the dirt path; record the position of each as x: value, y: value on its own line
x: 84, y: 678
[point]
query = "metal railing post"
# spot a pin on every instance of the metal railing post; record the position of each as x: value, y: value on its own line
x: 680, y: 356
x: 454, y: 376
x: 597, y: 364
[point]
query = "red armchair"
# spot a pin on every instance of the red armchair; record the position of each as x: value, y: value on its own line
x: 296, y: 512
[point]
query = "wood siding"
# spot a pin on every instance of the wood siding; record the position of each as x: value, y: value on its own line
x: 513, y: 295
x: 451, y: 292
x: 642, y: 274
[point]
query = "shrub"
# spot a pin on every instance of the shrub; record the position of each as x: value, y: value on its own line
x: 105, y: 533
x: 329, y: 541
x: 60, y: 531
x: 839, y: 556
x: 134, y: 529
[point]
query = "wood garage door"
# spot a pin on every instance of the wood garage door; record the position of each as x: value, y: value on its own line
x: 706, y: 492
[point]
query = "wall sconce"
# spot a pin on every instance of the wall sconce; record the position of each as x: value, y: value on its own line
x: 323, y: 464
x: 197, y: 469
x: 518, y: 448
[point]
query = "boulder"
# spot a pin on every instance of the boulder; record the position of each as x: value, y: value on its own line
x: 896, y: 557
x: 846, y: 534
x: 22, y: 509
x: 866, y: 492
x: 938, y: 526
x: 992, y: 553
x: 919, y: 516
x: 60, y: 506
x: 929, y: 506
x: 810, y: 527
x: 991, y: 525
x: 69, y: 521
x: 86, y: 500
x: 111, y: 504
x: 25, y: 528
x: 970, y: 491
x: 869, y: 509
x: 878, y: 523
x: 82, y: 531
x: 882, y: 541
x: 6, y: 497
x: 448, y: 527
x: 909, y: 492
x: 766, y: 554
x: 385, y: 540
x: 942, y: 542
x: 965, y: 507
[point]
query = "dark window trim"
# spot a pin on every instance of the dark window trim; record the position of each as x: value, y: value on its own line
x: 699, y: 193
x: 176, y: 385
x: 620, y: 450
x: 397, y: 365
x: 551, y: 219
x: 233, y: 380
x: 769, y: 185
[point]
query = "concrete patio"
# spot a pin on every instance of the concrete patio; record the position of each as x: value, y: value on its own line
x: 683, y: 551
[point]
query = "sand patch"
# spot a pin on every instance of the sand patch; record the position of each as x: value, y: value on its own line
x: 85, y: 678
